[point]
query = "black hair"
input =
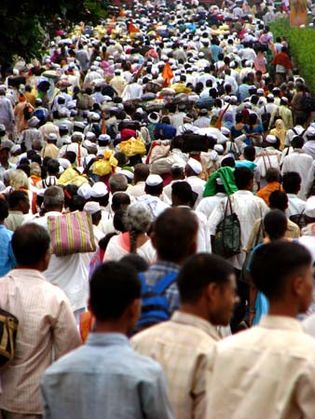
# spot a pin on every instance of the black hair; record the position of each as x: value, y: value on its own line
x: 291, y: 182
x: 4, y: 209
x: 297, y: 141
x: 53, y: 167
x: 30, y: 243
x: 243, y: 176
x: 174, y: 232
x: 275, y: 224
x: 119, y: 200
x: 16, y: 197
x: 278, y: 200
x: 198, y: 272
x: 272, y: 265
x: 184, y: 193
x: 136, y: 261
x: 249, y: 152
x: 113, y: 287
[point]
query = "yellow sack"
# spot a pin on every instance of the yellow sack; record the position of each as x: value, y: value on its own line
x: 105, y: 165
x: 132, y: 147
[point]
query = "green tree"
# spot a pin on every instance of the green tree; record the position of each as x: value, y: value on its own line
x: 25, y: 24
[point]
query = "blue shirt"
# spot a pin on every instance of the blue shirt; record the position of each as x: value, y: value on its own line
x: 7, y: 259
x: 105, y: 379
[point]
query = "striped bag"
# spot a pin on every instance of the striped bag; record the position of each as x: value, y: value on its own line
x: 71, y: 233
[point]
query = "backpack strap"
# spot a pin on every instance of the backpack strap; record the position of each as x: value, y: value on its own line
x: 165, y: 282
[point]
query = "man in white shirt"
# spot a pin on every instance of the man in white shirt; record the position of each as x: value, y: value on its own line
x: 46, y: 329
x: 141, y: 173
x: 271, y: 367
x: 291, y: 183
x: 153, y: 191
x: 248, y: 208
x: 300, y: 162
x: 70, y: 272
x: 207, y: 205
x: 193, y: 171
x: 207, y: 292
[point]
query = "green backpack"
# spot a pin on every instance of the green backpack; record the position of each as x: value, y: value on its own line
x: 227, y: 240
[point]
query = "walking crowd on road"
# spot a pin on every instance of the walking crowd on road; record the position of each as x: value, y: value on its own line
x: 157, y: 220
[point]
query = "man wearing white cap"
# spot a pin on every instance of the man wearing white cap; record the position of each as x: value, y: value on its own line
x: 269, y: 157
x: 50, y: 149
x: 94, y: 209
x: 193, y: 171
x: 6, y: 111
x: 300, y: 162
x: 153, y: 191
x: 81, y: 152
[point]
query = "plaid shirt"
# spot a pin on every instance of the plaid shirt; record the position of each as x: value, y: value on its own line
x: 158, y: 271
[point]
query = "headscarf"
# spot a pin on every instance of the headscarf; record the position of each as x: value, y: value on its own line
x: 226, y: 174
x: 280, y: 132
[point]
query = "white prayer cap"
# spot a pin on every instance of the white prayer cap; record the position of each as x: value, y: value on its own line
x: 260, y: 91
x: 90, y: 136
x: 52, y: 137
x: 225, y: 131
x: 195, y: 165
x: 88, y: 144
x: 104, y: 138
x: 310, y: 132
x: 85, y: 191
x: 154, y: 180
x: 64, y: 163
x: 99, y: 189
x: 92, y: 207
x: 271, y: 139
x: 219, y: 148
x: 128, y: 173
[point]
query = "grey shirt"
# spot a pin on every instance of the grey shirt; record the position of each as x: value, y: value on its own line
x: 105, y: 379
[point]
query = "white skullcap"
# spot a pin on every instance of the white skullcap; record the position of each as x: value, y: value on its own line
x: 92, y: 207
x: 154, y: 180
x: 310, y: 132
x: 271, y: 139
x: 129, y: 175
x: 85, y: 191
x: 225, y: 131
x: 90, y: 135
x: 99, y: 189
x: 219, y: 148
x: 52, y: 136
x: 195, y: 165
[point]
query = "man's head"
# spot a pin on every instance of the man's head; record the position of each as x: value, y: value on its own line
x: 175, y: 235
x: 118, y: 183
x: 275, y: 224
x: 141, y: 172
x: 297, y: 142
x: 278, y: 200
x: 291, y: 182
x: 193, y: 168
x: 30, y: 244
x: 244, y: 178
x: 207, y: 288
x: 115, y: 296
x: 120, y: 201
x: 54, y: 199
x: 282, y: 270
x: 4, y: 210
x: 272, y: 175
x: 19, y: 201
x: 154, y: 185
x: 182, y: 194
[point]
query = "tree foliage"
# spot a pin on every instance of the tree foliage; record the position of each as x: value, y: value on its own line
x: 26, y: 23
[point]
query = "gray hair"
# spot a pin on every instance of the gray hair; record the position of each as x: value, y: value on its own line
x: 54, y: 197
x: 118, y: 182
x: 138, y: 217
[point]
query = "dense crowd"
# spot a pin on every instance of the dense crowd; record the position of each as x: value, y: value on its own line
x: 157, y: 219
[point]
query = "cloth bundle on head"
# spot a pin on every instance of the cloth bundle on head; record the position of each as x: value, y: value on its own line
x: 106, y: 165
x: 226, y: 175
x: 127, y: 133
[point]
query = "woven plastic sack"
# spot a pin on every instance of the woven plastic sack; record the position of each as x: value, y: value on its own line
x: 71, y: 233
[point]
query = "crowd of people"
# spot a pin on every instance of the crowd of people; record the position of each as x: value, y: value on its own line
x: 174, y: 145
